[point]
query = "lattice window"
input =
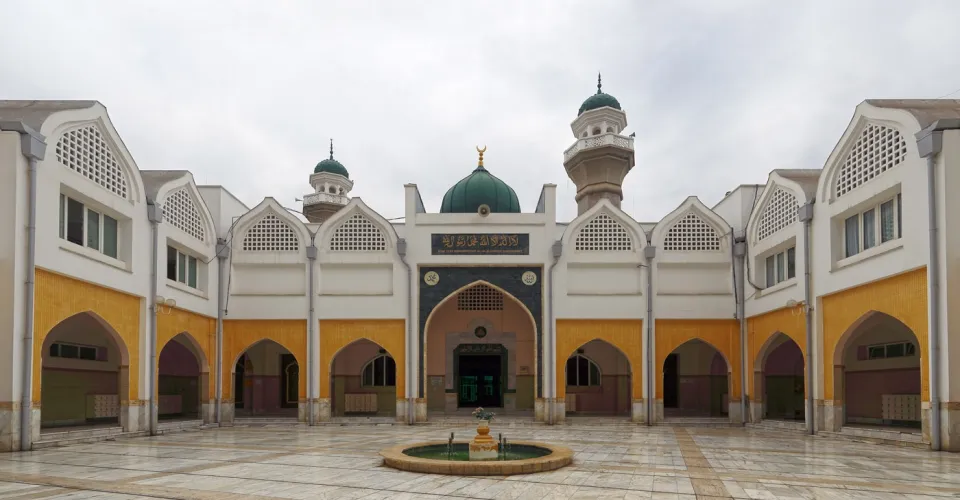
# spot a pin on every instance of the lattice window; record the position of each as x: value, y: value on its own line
x: 603, y: 234
x: 780, y: 212
x: 180, y: 210
x: 84, y: 150
x: 271, y: 234
x: 358, y: 234
x: 480, y: 298
x: 877, y: 150
x: 691, y: 234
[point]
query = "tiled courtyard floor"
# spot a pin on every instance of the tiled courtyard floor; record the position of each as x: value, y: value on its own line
x: 611, y: 461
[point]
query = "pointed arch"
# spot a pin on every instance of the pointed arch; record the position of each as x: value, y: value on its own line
x: 722, y: 335
x: 876, y: 140
x: 452, y: 296
x: 774, y: 341
x: 109, y: 164
x: 623, y: 335
x: 105, y: 327
x: 691, y: 227
x: 624, y: 234
x: 777, y: 208
x: 187, y: 339
x: 240, y: 335
x: 337, y: 335
x: 184, y: 209
x: 268, y: 227
x: 357, y: 227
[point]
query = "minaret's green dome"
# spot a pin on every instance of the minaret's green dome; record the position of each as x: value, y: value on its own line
x: 331, y: 166
x: 599, y: 100
x: 480, y: 188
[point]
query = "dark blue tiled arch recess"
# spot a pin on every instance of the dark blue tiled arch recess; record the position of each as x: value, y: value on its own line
x: 507, y: 278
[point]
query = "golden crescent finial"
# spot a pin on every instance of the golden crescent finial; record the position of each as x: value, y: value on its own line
x: 481, y: 151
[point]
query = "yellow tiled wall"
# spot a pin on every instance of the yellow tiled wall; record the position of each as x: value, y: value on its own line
x: 903, y: 297
x: 389, y: 334
x: 239, y: 335
x: 626, y: 335
x: 59, y: 297
x: 201, y: 329
x: 722, y: 334
x: 789, y: 321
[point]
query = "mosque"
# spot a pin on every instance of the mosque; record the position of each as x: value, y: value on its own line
x: 818, y: 301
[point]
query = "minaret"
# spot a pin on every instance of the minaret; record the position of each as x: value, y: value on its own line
x: 331, y: 184
x: 600, y: 159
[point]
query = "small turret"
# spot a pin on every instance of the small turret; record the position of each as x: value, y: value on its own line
x: 331, y: 183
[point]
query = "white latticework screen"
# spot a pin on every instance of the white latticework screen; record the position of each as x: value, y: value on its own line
x: 271, y: 234
x: 85, y: 151
x: 603, y: 234
x: 780, y: 212
x: 691, y: 234
x: 480, y: 298
x: 358, y: 234
x: 180, y: 210
x: 877, y: 150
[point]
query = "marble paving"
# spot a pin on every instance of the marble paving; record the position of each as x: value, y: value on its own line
x: 612, y: 461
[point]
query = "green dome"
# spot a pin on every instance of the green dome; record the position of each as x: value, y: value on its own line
x: 331, y: 166
x: 599, y: 100
x: 479, y: 188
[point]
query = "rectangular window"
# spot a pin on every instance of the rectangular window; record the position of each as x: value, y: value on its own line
x: 887, y: 222
x: 791, y: 262
x: 74, y: 221
x: 82, y: 225
x: 93, y: 229
x: 171, y: 263
x: 192, y: 272
x: 860, y: 231
x: 63, y: 210
x: 109, y: 236
x: 852, y: 231
x: 771, y: 278
x: 781, y: 266
x: 181, y: 267
x: 74, y: 351
x: 869, y: 229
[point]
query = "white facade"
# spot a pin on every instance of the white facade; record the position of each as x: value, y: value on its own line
x: 598, y: 266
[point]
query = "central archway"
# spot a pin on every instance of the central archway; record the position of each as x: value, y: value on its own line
x: 480, y: 350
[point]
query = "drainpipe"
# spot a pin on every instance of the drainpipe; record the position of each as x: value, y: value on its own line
x: 311, y: 325
x: 551, y: 339
x: 649, y: 252
x: 155, y: 216
x: 738, y: 251
x: 411, y: 345
x: 805, y: 214
x: 929, y: 145
x: 33, y: 146
x: 223, y: 251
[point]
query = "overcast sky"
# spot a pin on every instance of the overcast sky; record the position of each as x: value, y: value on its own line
x: 247, y: 93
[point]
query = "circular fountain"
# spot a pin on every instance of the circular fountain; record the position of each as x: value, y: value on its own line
x: 482, y: 456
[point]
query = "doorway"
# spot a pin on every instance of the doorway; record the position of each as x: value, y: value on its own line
x: 289, y: 381
x: 479, y: 383
x: 671, y: 382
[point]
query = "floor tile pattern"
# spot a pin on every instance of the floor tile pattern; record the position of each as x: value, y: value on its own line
x: 614, y: 461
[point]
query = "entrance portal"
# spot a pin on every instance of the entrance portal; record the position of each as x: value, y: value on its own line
x: 479, y: 383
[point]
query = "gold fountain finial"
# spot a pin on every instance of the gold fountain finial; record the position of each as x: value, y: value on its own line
x: 481, y: 151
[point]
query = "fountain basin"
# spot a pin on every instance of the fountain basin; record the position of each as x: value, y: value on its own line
x: 524, y: 457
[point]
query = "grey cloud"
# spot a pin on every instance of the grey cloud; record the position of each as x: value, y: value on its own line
x: 719, y: 93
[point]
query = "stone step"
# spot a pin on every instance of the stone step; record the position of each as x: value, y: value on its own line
x: 878, y: 436
x: 778, y: 425
x: 699, y: 422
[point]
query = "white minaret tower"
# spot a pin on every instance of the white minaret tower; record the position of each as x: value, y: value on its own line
x: 331, y: 184
x: 600, y: 159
